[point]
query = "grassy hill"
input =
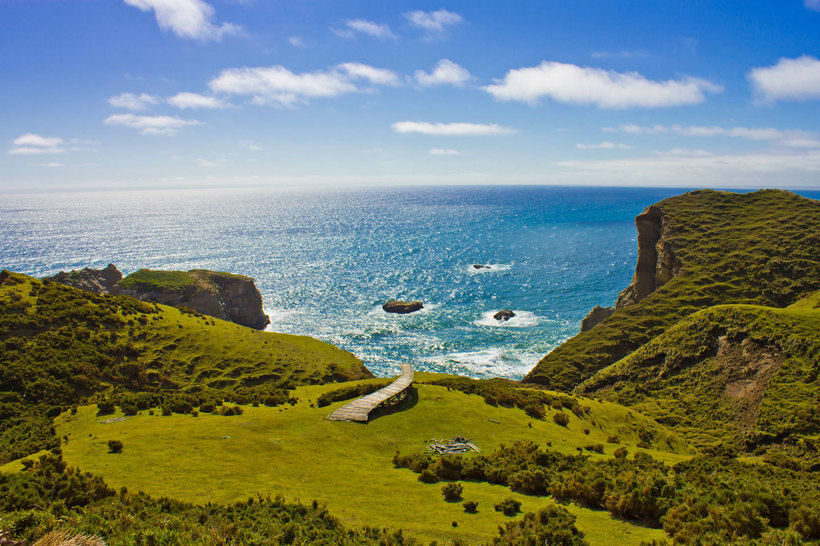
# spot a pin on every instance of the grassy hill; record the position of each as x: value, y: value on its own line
x: 757, y: 248
x: 61, y: 346
x: 746, y: 375
x: 348, y: 467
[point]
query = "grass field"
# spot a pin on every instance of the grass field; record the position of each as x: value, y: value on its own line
x: 347, y: 466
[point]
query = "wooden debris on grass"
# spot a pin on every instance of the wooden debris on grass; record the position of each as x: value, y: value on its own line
x: 459, y: 444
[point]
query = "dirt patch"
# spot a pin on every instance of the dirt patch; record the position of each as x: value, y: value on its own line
x: 750, y: 368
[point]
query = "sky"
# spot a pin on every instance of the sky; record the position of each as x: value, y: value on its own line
x: 143, y: 94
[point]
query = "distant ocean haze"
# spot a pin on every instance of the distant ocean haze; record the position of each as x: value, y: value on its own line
x: 325, y: 261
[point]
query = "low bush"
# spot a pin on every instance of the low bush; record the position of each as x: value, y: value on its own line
x: 561, y: 418
x: 471, y: 507
x: 452, y: 491
x: 114, y: 446
x: 508, y: 507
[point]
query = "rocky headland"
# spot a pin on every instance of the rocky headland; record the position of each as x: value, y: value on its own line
x: 221, y: 295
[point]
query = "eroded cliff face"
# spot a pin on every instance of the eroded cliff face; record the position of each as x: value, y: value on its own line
x: 222, y: 295
x: 657, y: 263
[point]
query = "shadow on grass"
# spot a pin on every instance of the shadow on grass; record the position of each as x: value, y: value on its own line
x: 409, y: 402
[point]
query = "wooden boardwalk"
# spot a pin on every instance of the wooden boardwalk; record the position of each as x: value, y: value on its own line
x: 359, y: 409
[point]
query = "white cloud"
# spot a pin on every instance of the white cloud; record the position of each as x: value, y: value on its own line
x: 33, y: 144
x: 151, y: 125
x: 574, y: 84
x: 603, y: 146
x: 790, y: 138
x: 352, y: 27
x: 813, y: 4
x: 53, y: 165
x: 433, y: 22
x: 443, y: 151
x: 451, y: 129
x: 250, y: 145
x: 446, y: 72
x: 195, y: 100
x: 278, y: 85
x: 376, y: 76
x: 131, y: 101
x: 205, y: 163
x: 789, y: 79
x: 186, y: 18
x: 296, y: 41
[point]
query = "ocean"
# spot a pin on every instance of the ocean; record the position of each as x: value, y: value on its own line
x: 326, y: 260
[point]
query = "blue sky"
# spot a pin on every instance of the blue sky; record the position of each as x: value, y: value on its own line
x: 130, y: 94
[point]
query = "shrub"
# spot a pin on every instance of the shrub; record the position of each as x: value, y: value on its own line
x: 114, y: 446
x: 534, y: 410
x: 620, y: 453
x: 561, y: 418
x: 597, y: 448
x: 613, y: 440
x: 105, y: 407
x: 508, y: 507
x: 427, y: 477
x: 471, y: 507
x: 452, y: 491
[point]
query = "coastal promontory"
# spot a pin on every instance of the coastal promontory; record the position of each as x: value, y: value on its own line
x: 226, y: 296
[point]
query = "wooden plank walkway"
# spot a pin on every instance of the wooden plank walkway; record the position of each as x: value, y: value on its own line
x: 359, y: 409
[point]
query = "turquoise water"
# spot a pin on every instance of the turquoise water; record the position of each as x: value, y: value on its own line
x: 325, y: 261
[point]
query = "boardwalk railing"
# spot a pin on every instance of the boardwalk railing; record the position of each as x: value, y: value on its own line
x: 359, y: 409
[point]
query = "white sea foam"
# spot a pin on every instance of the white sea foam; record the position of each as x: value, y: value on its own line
x: 492, y: 268
x: 522, y: 319
x: 490, y: 362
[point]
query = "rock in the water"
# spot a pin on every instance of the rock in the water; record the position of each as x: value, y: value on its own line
x: 479, y: 266
x: 99, y: 281
x: 504, y: 315
x: 402, y: 307
x: 596, y: 315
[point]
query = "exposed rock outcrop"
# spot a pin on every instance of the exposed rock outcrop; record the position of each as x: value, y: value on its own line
x: 657, y: 263
x: 504, y: 315
x: 402, y: 307
x: 99, y: 281
x: 222, y: 295
x: 596, y: 315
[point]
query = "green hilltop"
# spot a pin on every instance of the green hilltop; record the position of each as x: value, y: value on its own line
x: 758, y: 248
x: 61, y: 346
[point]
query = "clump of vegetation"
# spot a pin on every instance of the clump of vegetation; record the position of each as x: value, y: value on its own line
x: 509, y: 394
x: 452, y: 491
x: 471, y: 507
x: 550, y: 525
x: 560, y: 418
x: 349, y: 391
x: 508, y: 507
x: 114, y: 446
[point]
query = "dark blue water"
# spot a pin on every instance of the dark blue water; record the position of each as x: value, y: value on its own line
x: 326, y: 260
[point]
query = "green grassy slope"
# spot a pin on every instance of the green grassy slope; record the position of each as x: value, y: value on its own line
x: 758, y: 248
x: 348, y: 466
x: 60, y: 346
x: 731, y: 374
